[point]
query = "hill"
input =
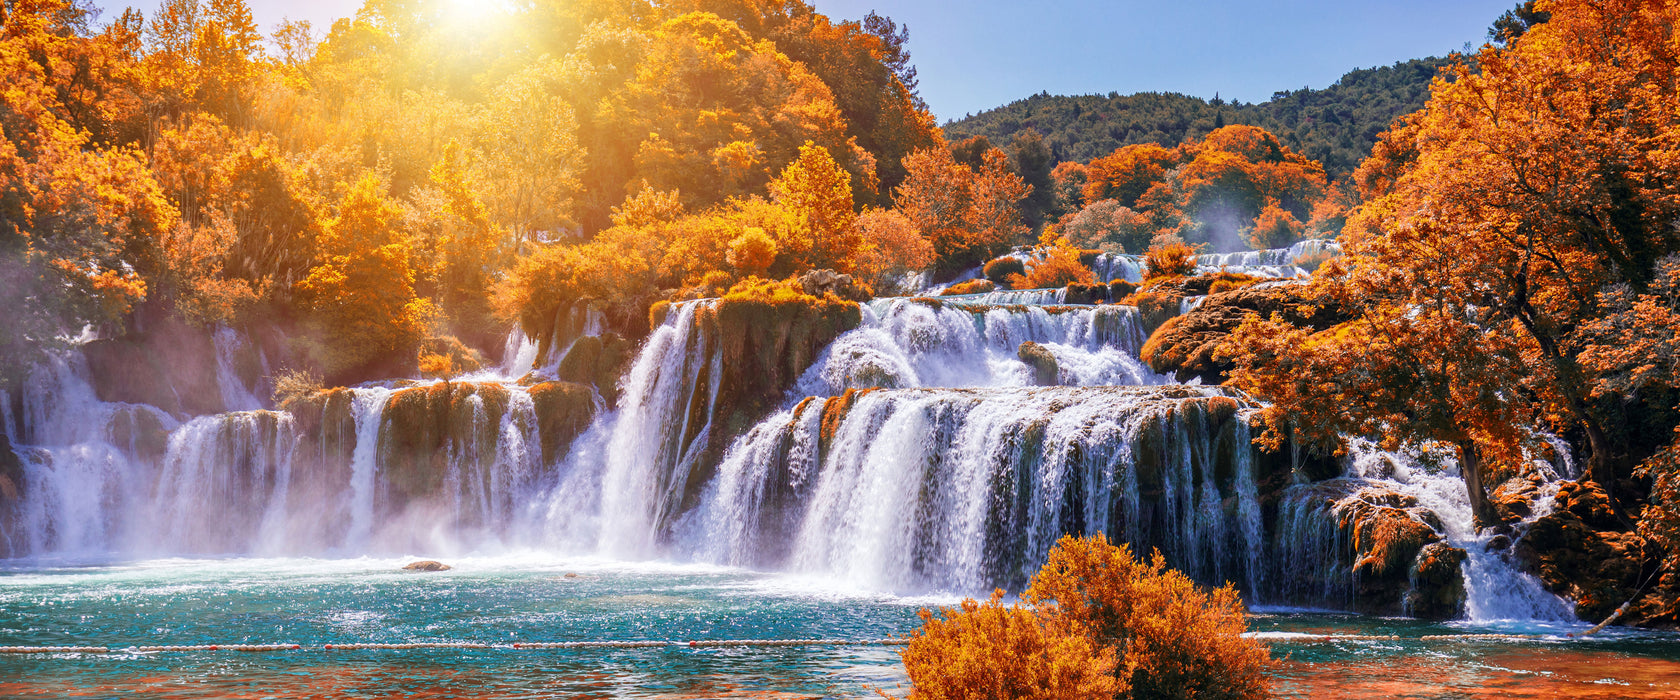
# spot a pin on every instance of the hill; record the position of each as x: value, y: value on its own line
x: 1336, y: 125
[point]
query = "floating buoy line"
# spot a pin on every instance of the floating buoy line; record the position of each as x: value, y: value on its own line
x: 506, y: 646
x: 1278, y: 638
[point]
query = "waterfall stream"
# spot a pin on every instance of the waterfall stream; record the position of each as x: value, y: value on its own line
x: 918, y: 452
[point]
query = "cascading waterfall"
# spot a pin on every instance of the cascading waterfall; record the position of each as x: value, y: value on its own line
x: 959, y: 490
x: 915, y: 453
x: 628, y: 471
x: 77, y: 454
x: 223, y: 484
x: 236, y: 396
x: 917, y: 343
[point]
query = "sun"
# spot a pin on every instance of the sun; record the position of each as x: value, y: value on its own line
x: 470, y: 16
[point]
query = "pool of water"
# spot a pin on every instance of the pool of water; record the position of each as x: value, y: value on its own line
x: 537, y: 598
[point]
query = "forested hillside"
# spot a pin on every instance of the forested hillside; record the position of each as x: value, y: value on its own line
x: 1335, y: 126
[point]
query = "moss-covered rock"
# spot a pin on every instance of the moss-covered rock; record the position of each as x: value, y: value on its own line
x: 1437, y: 583
x: 139, y: 432
x: 11, y: 494
x: 564, y: 411
x: 1377, y: 547
x: 766, y: 334
x: 598, y: 361
x: 1045, y: 371
x: 425, y: 427
x: 1186, y: 345
x: 1086, y: 294
x: 1583, y: 552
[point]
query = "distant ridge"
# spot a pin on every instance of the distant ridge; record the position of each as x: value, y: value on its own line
x: 1336, y: 125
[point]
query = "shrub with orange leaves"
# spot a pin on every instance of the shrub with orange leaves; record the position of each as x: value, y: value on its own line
x: 989, y: 650
x: 1169, y: 260
x: 752, y: 252
x: 1093, y: 608
x: 1276, y: 227
x: 980, y: 286
x: 1060, y: 267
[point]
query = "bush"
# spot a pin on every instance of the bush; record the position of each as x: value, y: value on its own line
x: 986, y: 651
x: 999, y: 269
x: 446, y: 356
x: 1169, y: 260
x: 1150, y: 628
x: 293, y: 384
x: 1061, y: 267
x: 969, y: 287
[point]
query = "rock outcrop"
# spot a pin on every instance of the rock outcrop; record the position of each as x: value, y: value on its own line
x: 1582, y: 551
x: 1380, y: 550
x: 1185, y: 345
x: 1045, y: 371
x: 427, y: 565
x: 820, y: 282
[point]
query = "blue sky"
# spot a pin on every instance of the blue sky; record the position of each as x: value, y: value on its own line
x: 976, y: 55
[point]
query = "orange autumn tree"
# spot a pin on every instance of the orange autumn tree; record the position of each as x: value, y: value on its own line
x: 891, y: 248
x: 1095, y: 622
x: 360, y: 300
x: 817, y: 193
x: 80, y: 215
x: 971, y: 215
x: 1493, y: 220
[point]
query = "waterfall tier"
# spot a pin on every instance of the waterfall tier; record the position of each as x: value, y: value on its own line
x: 960, y: 490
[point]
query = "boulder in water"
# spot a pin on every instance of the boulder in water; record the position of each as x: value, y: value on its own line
x: 1045, y: 371
x: 1437, y: 591
x: 1583, y: 552
x: 427, y: 565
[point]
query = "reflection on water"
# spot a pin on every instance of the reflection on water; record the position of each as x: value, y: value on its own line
x: 538, y: 598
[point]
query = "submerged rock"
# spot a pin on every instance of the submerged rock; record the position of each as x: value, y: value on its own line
x: 427, y: 565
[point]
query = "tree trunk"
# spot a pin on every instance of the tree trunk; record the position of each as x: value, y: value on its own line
x: 1470, y: 466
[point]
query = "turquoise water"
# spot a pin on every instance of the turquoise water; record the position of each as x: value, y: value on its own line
x: 536, y: 598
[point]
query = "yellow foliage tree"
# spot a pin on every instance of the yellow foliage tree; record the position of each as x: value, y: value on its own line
x: 818, y: 195
x: 363, y: 315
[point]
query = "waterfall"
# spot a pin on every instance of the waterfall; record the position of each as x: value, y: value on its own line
x: 236, y: 396
x: 959, y: 490
x: 927, y: 449
x: 1110, y: 267
x: 222, y: 486
x: 77, y: 455
x: 366, y: 408
x: 519, y: 354
x: 1494, y: 589
x: 907, y: 343
x: 634, y: 465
